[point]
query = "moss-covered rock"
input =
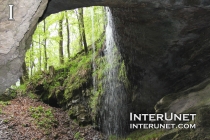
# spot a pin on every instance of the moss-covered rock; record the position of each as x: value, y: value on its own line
x: 71, y: 85
x: 81, y: 114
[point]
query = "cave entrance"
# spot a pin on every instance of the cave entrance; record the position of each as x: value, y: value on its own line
x: 58, y: 40
x: 60, y: 37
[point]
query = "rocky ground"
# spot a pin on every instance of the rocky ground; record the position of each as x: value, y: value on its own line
x: 24, y: 118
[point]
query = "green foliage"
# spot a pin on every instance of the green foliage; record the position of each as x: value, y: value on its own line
x: 145, y: 134
x: 76, y: 72
x: 21, y: 88
x: 79, y: 74
x: 32, y: 95
x: 123, y: 75
x: 44, y: 118
x: 36, y: 77
x: 4, y: 103
x: 140, y: 135
x: 99, y: 21
x: 6, y: 121
x: 102, y: 67
x: 36, y: 51
x: 78, y: 136
x: 99, y: 74
x: 17, y: 90
x: 113, y: 137
x: 94, y: 102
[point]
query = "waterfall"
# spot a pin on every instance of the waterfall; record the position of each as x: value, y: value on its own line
x: 113, y: 111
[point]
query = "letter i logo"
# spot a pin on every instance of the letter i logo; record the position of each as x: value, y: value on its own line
x: 11, y: 12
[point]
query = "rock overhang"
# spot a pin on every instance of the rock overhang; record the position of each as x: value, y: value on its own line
x: 164, y: 43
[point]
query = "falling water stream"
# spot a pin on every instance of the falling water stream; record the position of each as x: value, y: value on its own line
x: 113, y: 111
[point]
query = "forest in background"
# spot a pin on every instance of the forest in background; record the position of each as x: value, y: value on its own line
x: 61, y: 36
x: 65, y: 66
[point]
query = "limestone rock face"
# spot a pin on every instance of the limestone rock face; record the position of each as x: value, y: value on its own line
x: 15, y: 36
x: 165, y: 44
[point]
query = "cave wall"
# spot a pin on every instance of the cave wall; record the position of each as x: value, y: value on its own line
x: 166, y: 49
x: 165, y: 43
x: 15, y: 36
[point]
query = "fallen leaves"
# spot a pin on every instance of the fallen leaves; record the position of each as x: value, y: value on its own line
x: 17, y: 123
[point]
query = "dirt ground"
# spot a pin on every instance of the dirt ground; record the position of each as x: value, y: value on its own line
x: 17, y: 122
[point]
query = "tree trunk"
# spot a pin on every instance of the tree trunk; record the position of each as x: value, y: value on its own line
x: 60, y: 32
x: 82, y: 25
x: 45, y: 47
x: 24, y: 77
x: 68, y: 35
x: 51, y: 71
x: 80, y: 30
x: 31, y: 58
x: 40, y: 54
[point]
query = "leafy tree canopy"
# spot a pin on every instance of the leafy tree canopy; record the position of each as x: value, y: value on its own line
x: 46, y: 38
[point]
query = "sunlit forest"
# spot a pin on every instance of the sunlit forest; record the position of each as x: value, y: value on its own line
x: 60, y: 36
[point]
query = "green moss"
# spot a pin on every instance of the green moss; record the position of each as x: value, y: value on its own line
x: 123, y: 75
x: 99, y: 75
x: 32, y: 95
x: 44, y: 118
x: 94, y: 103
x: 4, y: 103
x: 73, y: 79
x: 141, y: 135
x: 102, y: 67
x: 145, y: 134
x: 113, y: 137
x: 80, y: 73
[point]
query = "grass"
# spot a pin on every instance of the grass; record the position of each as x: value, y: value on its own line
x: 145, y: 134
x: 140, y: 135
